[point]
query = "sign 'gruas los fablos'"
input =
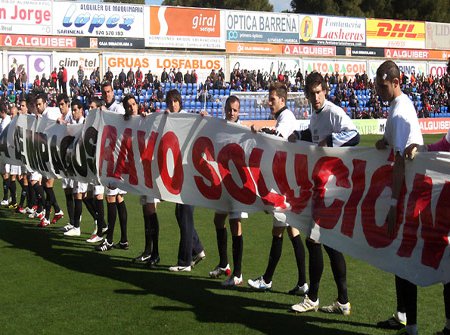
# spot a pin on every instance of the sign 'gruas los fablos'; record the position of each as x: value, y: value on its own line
x: 98, y: 19
x: 246, y: 26
x: 332, y: 30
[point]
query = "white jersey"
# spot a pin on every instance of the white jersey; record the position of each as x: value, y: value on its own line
x: 402, y: 125
x: 286, y: 123
x: 4, y: 123
x: 52, y: 113
x: 69, y: 117
x: 116, y: 107
x: 331, y: 120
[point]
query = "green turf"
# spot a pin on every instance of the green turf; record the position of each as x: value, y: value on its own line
x: 55, y: 285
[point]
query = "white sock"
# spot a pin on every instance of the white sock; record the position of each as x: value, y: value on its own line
x: 401, y: 316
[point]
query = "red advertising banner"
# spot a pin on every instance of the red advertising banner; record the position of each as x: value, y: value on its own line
x: 417, y: 54
x: 309, y: 50
x: 434, y: 125
x: 47, y: 42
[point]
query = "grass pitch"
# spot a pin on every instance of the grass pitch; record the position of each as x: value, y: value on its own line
x: 51, y: 284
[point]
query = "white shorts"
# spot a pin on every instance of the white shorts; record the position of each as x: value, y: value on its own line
x: 66, y: 183
x: 110, y: 193
x: 15, y: 170
x: 79, y: 187
x: 279, y: 220
x: 96, y: 189
x: 36, y: 176
x: 235, y: 215
x: 5, y: 168
x: 148, y: 200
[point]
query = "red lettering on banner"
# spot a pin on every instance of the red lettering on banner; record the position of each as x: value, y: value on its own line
x: 173, y: 183
x: 234, y: 153
x: 351, y: 207
x: 108, y: 144
x: 377, y: 236
x: 125, y: 159
x: 301, y: 176
x: 328, y: 217
x: 436, y: 238
x: 269, y: 198
x: 418, y: 208
x: 146, y: 154
x: 202, y: 152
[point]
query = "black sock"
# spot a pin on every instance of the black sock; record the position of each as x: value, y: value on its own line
x: 123, y: 217
x: 154, y: 232
x: 447, y: 300
x: 78, y: 208
x: 238, y: 246
x: 31, y: 196
x: 147, y: 234
x: 40, y: 196
x: 100, y: 209
x: 89, y: 203
x: 222, y: 246
x: 12, y: 191
x: 5, y: 188
x: 339, y: 268
x: 315, y: 268
x: 299, y: 252
x: 70, y: 207
x: 274, y: 257
x: 53, y: 200
x: 112, y: 215
x: 23, y: 193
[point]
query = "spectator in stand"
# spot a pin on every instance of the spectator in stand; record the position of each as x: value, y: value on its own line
x: 53, y: 78
x: 60, y: 79
x: 122, y: 78
x: 179, y: 77
x: 12, y: 75
x: 139, y: 77
x: 80, y: 75
x: 109, y: 75
x: 164, y: 76
x: 187, y: 77
x: 150, y: 77
x: 4, y: 83
x: 73, y: 84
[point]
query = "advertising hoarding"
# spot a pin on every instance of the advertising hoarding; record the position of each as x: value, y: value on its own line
x: 246, y: 26
x: 26, y: 17
x: 437, y: 35
x: 404, y: 66
x: 34, y: 63
x: 32, y: 41
x: 332, y: 30
x: 179, y: 27
x: 73, y: 60
x: 202, y: 64
x: 254, y: 48
x: 347, y: 67
x: 98, y: 19
x: 309, y: 50
x: 395, y: 34
x: 437, y: 68
x: 267, y: 65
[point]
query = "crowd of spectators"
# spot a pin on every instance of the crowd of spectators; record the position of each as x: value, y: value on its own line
x: 357, y: 95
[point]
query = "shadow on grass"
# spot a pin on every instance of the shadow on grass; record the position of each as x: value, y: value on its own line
x: 201, y: 294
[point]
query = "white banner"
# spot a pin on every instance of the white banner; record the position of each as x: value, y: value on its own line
x: 32, y: 17
x: 407, y: 67
x: 98, y: 19
x: 202, y: 64
x: 437, y: 68
x: 34, y: 63
x: 349, y: 68
x: 339, y: 196
x: 247, y: 26
x: 267, y: 65
x: 72, y: 61
x: 55, y: 150
x: 332, y: 30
